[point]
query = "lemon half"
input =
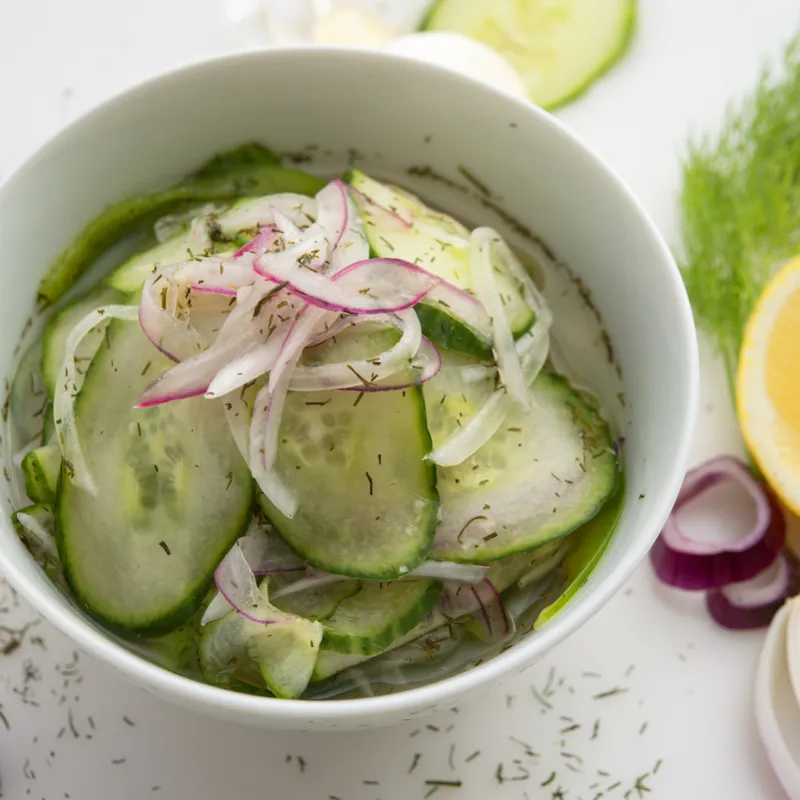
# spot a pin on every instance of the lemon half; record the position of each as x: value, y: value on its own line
x: 768, y: 384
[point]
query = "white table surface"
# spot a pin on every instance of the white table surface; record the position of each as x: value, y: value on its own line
x: 686, y: 712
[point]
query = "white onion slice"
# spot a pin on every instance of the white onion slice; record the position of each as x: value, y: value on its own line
x: 39, y: 532
x: 372, y: 370
x: 451, y: 571
x: 508, y: 362
x: 198, y: 239
x: 777, y: 707
x: 172, y: 225
x: 237, y: 584
x: 176, y: 338
x: 249, y: 366
x: 65, y: 393
x: 338, y: 215
x: 273, y: 487
x: 260, y: 211
x: 242, y: 330
x: 532, y: 349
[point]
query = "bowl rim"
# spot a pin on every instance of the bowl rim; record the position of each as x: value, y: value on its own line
x: 448, y: 690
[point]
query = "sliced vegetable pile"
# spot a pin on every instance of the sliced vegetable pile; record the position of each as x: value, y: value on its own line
x: 317, y: 427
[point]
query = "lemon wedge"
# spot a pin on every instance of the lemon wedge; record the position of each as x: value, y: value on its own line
x: 768, y: 384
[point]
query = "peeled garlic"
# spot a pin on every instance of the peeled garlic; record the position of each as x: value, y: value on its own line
x: 351, y: 25
x: 461, y: 54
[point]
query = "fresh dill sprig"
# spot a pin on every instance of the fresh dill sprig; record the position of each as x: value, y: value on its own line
x: 740, y: 205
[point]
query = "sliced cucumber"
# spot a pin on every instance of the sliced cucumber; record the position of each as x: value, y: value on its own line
x: 35, y: 526
x: 49, y: 425
x: 286, y: 654
x: 439, y: 244
x: 27, y: 398
x: 40, y: 469
x: 131, y: 275
x: 173, y: 493
x: 225, y: 177
x: 368, y: 500
x: 378, y: 614
x: 559, y: 47
x: 56, y: 333
x: 317, y: 603
x: 545, y: 472
x: 283, y: 652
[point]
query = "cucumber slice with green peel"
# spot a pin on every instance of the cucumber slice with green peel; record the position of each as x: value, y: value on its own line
x: 286, y: 654
x: 173, y: 493
x: 27, y: 398
x: 503, y: 573
x: 317, y: 603
x: 40, y: 469
x: 545, y: 472
x: 225, y: 177
x: 368, y: 500
x: 559, y: 47
x: 282, y: 653
x: 440, y: 244
x: 129, y: 277
x: 49, y: 426
x: 589, y: 543
x: 57, y: 331
x: 378, y: 614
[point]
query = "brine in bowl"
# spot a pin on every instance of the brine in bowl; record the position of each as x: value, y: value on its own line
x: 312, y: 431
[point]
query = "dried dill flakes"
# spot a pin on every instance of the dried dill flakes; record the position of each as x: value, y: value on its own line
x: 472, y: 756
x: 165, y: 547
x: 414, y: 762
x: 610, y: 693
x: 452, y: 784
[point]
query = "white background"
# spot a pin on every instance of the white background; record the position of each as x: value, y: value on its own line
x: 686, y: 700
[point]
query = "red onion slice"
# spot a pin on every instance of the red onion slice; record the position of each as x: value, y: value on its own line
x: 483, y: 278
x: 266, y: 239
x: 176, y: 338
x: 374, y: 286
x: 326, y: 377
x: 684, y: 562
x: 479, y: 599
x: 338, y: 216
x: 237, y: 584
x: 66, y: 392
x: 753, y: 603
x: 249, y: 366
x: 243, y: 330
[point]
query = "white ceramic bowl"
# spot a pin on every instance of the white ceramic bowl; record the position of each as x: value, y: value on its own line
x: 394, y: 113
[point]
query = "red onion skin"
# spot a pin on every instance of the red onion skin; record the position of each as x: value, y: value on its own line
x: 698, y: 572
x: 736, y: 618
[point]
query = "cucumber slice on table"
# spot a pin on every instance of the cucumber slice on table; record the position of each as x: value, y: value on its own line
x: 173, y: 493
x: 57, y: 331
x: 559, y: 47
x: 40, y: 469
x: 368, y: 500
x: 545, y: 472
x: 439, y: 244
x: 370, y: 620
